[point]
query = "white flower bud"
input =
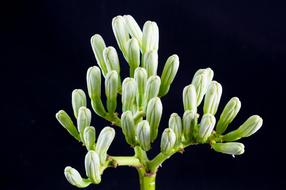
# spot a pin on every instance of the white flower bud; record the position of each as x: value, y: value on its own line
x: 89, y: 137
x: 190, y: 98
x: 128, y: 127
x: 150, y: 37
x: 78, y: 100
x: 232, y: 148
x: 133, y: 28
x: 133, y: 55
x: 168, y: 141
x: 92, y: 166
x: 175, y: 123
x: 140, y: 76
x: 74, y: 178
x: 206, y: 127
x: 152, y: 88
x: 212, y: 98
x: 121, y: 33
x: 111, y: 59
x: 83, y: 120
x: 143, y: 135
x: 190, y: 121
x: 67, y: 123
x: 111, y: 86
x: 129, y: 89
x: 150, y: 62
x: 104, y: 141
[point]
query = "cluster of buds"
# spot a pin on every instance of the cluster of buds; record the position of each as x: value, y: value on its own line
x: 142, y: 109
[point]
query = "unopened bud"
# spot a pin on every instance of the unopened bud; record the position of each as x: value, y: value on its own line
x: 78, y: 100
x: 67, y: 123
x: 111, y: 86
x: 169, y: 73
x: 104, y: 141
x: 175, y: 123
x: 190, y: 121
x: 129, y: 89
x: 111, y: 59
x: 121, y: 33
x: 232, y: 148
x: 89, y: 137
x: 206, y: 127
x: 150, y: 37
x: 168, y: 141
x: 133, y: 28
x: 140, y: 76
x: 92, y: 166
x: 128, y: 127
x: 143, y: 135
x: 74, y: 178
x: 152, y: 88
x: 190, y: 98
x: 133, y: 54
x: 212, y: 98
x: 83, y: 120
x: 150, y: 62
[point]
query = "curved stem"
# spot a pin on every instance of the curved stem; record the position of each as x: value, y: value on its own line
x: 125, y: 161
x: 141, y: 155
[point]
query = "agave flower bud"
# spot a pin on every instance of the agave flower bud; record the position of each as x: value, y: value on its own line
x: 129, y: 89
x: 175, y: 123
x: 201, y: 81
x: 212, y: 98
x: 150, y: 62
x: 150, y: 37
x: 104, y: 141
x: 140, y: 76
x: 133, y: 28
x: 190, y: 98
x: 248, y: 128
x: 121, y: 33
x: 111, y: 86
x: 169, y: 72
x: 168, y: 141
x: 153, y: 116
x: 92, y: 166
x: 128, y: 127
x: 93, y: 79
x: 143, y: 135
x: 83, y: 120
x: 98, y: 45
x: 152, y: 88
x: 67, y: 123
x: 206, y: 127
x: 111, y: 59
x: 78, y: 100
x: 89, y: 137
x: 232, y: 148
x: 227, y: 116
x: 190, y: 121
x: 74, y: 178
x: 133, y: 54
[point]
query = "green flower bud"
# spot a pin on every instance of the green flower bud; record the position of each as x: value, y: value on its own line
x: 175, y: 123
x: 190, y: 98
x: 121, y: 33
x: 78, y: 100
x: 152, y: 88
x: 67, y: 123
x: 232, y: 148
x: 212, y: 98
x: 92, y: 166
x: 143, y: 135
x: 190, y: 121
x: 83, y: 120
x: 206, y: 127
x: 93, y: 79
x: 201, y: 81
x: 227, y: 116
x: 150, y: 37
x: 169, y: 72
x: 104, y: 141
x: 98, y: 45
x: 153, y: 116
x: 111, y: 86
x: 75, y: 178
x: 248, y: 128
x: 133, y: 28
x: 168, y: 141
x: 133, y: 55
x: 150, y: 62
x: 89, y: 137
x: 140, y: 76
x: 129, y: 89
x: 111, y: 59
x: 128, y: 127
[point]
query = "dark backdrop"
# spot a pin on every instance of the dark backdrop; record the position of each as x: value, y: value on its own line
x: 45, y: 53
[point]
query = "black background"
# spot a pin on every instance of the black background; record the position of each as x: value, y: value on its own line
x: 45, y: 53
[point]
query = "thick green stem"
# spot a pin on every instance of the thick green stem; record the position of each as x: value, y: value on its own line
x: 141, y: 155
x: 147, y: 181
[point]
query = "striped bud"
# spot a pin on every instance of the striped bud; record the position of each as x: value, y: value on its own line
x: 248, y: 128
x: 111, y: 86
x: 98, y: 45
x: 111, y: 59
x: 129, y: 89
x: 201, y: 81
x: 78, y: 100
x: 93, y: 80
x: 169, y: 73
x: 83, y: 120
x: 228, y: 114
x: 140, y: 76
x: 190, y: 121
x: 133, y: 55
x: 150, y: 62
x: 175, y: 123
x: 212, y: 98
x: 92, y: 166
x: 206, y: 127
x: 133, y: 28
x: 128, y: 127
x: 150, y: 37
x: 152, y: 88
x: 89, y: 137
x: 168, y: 141
x: 143, y: 135
x: 121, y: 33
x: 74, y: 178
x: 153, y: 116
x: 104, y: 141
x: 67, y: 123
x: 232, y: 148
x: 190, y: 98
